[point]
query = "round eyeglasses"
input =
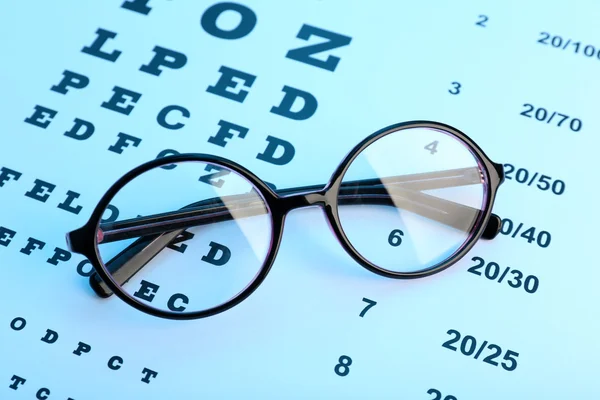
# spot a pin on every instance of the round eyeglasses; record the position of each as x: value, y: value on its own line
x: 408, y: 201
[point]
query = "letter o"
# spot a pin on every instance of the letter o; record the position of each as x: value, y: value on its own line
x: 114, y: 214
x: 80, y: 270
x: 246, y: 25
x: 21, y: 323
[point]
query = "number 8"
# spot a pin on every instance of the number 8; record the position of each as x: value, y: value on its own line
x: 343, y: 368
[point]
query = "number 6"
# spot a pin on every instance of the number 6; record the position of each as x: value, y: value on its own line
x: 395, y: 237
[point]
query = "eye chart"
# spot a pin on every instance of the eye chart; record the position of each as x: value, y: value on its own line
x: 91, y: 90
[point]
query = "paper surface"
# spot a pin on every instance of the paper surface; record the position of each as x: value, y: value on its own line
x: 520, y: 79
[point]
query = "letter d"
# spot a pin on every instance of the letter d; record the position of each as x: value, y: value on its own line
x: 215, y: 248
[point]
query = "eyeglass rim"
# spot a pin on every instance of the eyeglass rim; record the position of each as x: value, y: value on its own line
x: 88, y: 246
x: 493, y: 176
x: 84, y: 238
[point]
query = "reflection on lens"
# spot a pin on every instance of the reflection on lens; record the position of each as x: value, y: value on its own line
x: 411, y: 199
x: 184, y: 240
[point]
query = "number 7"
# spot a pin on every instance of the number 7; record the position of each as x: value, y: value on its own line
x: 562, y: 120
x: 370, y: 303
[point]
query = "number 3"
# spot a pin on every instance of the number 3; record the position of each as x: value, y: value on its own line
x: 455, y: 88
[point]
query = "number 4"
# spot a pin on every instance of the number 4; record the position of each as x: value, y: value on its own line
x: 432, y: 147
x: 370, y: 303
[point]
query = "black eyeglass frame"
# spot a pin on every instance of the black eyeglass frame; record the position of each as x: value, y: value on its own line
x: 83, y: 240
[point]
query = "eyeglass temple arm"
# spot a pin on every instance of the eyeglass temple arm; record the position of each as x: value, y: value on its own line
x: 404, y: 191
x: 157, y: 231
x: 417, y: 182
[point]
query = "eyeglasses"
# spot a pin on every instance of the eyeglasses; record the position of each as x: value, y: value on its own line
x: 192, y: 235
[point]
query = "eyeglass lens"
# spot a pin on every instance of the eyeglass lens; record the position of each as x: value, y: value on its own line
x: 418, y: 200
x: 196, y: 242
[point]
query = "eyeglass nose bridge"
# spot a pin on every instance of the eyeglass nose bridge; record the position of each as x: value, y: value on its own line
x: 301, y: 200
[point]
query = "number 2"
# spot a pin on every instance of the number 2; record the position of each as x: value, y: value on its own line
x: 482, y: 20
x: 475, y: 268
x: 490, y: 359
x: 526, y: 113
x: 370, y: 303
x: 448, y: 344
x: 544, y: 38
x: 437, y: 395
